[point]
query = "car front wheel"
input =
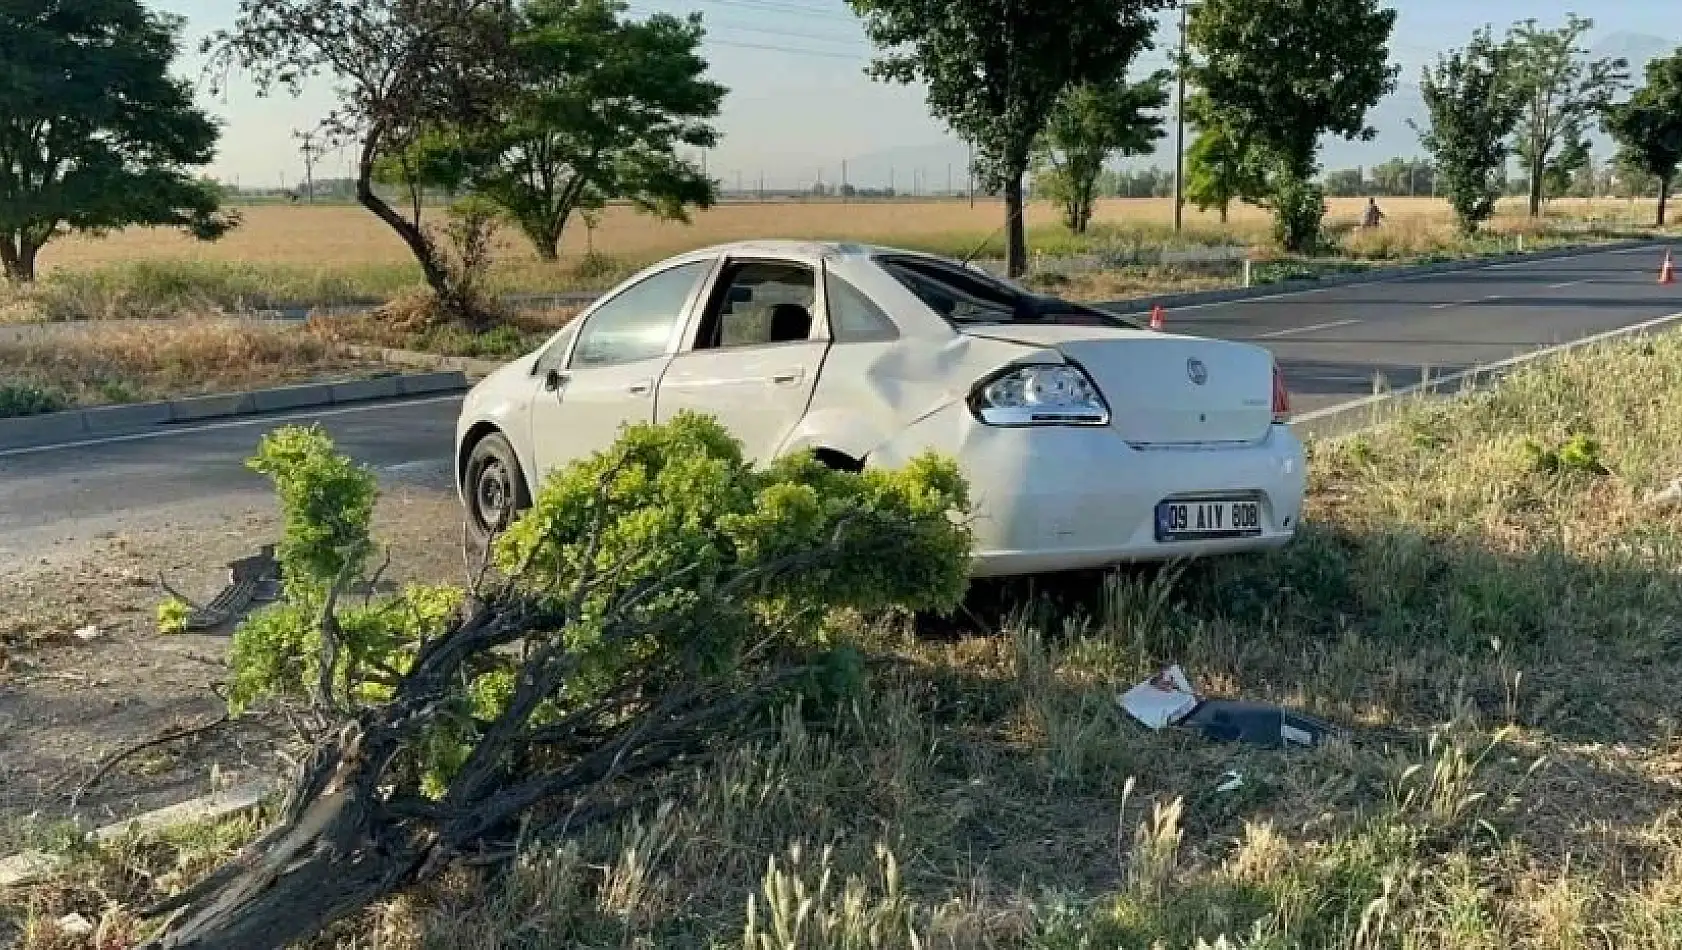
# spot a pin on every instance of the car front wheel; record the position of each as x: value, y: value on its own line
x: 494, y: 488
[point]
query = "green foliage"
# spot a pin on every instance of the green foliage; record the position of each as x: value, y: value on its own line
x: 597, y: 108
x: 23, y: 399
x: 1649, y: 127
x: 172, y: 614
x: 1473, y: 109
x: 326, y: 503
x: 1563, y: 93
x: 1277, y: 75
x: 994, y: 73
x: 1299, y: 208
x: 1221, y: 170
x: 96, y: 132
x: 1092, y: 123
x: 1578, y: 455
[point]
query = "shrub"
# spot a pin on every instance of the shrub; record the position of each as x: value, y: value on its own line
x: 22, y: 399
x: 1299, y: 208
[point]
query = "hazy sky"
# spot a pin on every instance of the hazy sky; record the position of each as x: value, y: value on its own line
x: 799, y: 102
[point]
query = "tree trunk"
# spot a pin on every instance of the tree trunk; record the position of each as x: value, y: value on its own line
x: 1224, y: 212
x: 1016, y: 236
x: 17, y: 257
x: 1664, y: 198
x: 1536, y: 187
x: 420, y: 245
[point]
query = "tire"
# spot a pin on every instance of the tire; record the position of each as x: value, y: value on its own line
x: 493, y: 488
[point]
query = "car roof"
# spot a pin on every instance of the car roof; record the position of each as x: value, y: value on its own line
x: 797, y: 248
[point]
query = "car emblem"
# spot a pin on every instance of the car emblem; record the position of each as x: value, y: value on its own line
x: 1195, y: 369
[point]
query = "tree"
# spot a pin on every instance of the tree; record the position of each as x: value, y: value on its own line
x: 1562, y: 92
x: 1279, y: 74
x: 995, y: 71
x: 403, y: 70
x: 1649, y: 127
x: 602, y: 103
x: 1091, y: 123
x: 95, y: 134
x: 1399, y: 176
x: 1473, y: 109
x: 1345, y: 183
x: 658, y: 597
x: 1220, y: 170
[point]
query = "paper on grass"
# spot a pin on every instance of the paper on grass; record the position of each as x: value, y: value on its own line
x: 1162, y: 700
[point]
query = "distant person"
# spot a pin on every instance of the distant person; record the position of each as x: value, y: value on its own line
x: 1373, y: 215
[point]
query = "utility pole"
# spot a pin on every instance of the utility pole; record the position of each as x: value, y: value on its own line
x: 1180, y: 128
x: 843, y: 181
x: 970, y: 173
x: 306, y: 145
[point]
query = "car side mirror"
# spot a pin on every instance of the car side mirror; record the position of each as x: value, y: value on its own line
x: 552, y: 380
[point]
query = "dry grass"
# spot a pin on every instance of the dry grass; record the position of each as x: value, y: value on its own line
x: 1480, y: 595
x: 135, y: 361
x: 412, y: 323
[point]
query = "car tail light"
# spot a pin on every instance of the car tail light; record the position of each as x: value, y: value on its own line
x: 1040, y: 395
x: 1281, y: 397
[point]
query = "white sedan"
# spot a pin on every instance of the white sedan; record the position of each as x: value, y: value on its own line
x: 1087, y: 441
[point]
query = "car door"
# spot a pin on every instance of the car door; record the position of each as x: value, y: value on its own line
x: 754, y: 353
x: 610, y: 374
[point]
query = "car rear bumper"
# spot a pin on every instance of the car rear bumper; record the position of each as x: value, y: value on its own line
x: 1066, y: 498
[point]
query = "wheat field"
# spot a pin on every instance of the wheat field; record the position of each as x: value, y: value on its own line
x: 346, y: 236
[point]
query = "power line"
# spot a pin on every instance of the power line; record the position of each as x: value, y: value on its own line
x: 778, y: 6
x: 830, y: 54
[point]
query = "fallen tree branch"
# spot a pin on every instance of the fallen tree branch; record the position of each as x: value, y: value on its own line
x: 111, y: 761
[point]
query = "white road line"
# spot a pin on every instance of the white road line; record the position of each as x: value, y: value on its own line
x: 1295, y: 330
x: 1569, y: 283
x: 1484, y: 368
x: 1467, y: 303
x: 264, y: 420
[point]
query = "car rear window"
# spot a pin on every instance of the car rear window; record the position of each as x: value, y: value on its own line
x: 965, y: 296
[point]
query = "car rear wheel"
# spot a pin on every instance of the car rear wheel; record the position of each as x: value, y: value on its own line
x: 494, y: 487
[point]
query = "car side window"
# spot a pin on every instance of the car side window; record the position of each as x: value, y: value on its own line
x: 854, y: 317
x: 756, y: 303
x: 638, y: 323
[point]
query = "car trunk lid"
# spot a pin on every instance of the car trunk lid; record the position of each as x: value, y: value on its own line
x: 1164, y: 389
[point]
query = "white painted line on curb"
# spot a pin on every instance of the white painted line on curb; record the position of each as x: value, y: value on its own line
x: 1276, y: 334
x: 1508, y: 363
x: 274, y: 419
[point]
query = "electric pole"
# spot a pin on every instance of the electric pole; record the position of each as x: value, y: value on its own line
x: 306, y: 145
x: 1180, y: 127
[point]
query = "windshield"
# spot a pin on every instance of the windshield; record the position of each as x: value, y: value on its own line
x: 964, y: 295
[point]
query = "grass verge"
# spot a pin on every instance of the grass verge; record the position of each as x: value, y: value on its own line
x: 108, y: 363
x: 1480, y: 594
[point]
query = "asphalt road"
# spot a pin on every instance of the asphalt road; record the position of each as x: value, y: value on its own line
x: 1332, y: 343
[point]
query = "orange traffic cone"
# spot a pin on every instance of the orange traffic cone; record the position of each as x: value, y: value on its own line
x: 1667, y: 270
x: 1157, y: 320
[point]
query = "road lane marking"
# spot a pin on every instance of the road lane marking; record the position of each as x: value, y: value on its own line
x: 1569, y: 283
x: 275, y: 419
x: 1468, y: 303
x: 1276, y: 334
x: 1508, y: 363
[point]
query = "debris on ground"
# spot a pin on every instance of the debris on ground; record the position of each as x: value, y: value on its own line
x: 74, y: 925
x: 250, y: 580
x: 1169, y: 699
x: 1230, y: 782
x: 1666, y: 498
x: 87, y: 633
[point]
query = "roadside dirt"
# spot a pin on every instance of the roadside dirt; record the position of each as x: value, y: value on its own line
x: 84, y: 672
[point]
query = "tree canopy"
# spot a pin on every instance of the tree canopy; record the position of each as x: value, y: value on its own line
x: 996, y: 71
x: 1279, y: 74
x: 1473, y: 110
x: 95, y: 133
x: 1221, y: 170
x: 1562, y: 92
x: 1649, y: 127
x: 1092, y: 123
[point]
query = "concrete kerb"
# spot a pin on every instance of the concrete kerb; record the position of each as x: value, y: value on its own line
x: 73, y: 425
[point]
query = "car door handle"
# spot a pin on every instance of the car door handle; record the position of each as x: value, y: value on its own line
x: 788, y: 378
x: 641, y: 387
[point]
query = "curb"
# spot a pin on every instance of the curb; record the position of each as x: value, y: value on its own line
x: 1373, y: 275
x: 72, y: 425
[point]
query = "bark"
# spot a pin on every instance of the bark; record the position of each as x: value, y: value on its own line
x: 433, y: 269
x: 1536, y: 188
x: 1016, y: 238
x: 17, y: 258
x: 1664, y: 199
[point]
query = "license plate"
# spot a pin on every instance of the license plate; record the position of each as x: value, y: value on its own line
x: 1215, y: 518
